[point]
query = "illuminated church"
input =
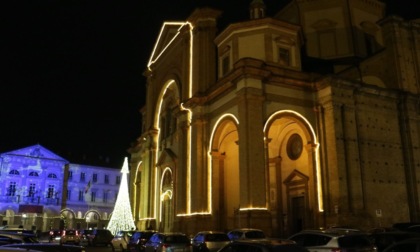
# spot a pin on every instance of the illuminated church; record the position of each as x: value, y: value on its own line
x: 307, y: 119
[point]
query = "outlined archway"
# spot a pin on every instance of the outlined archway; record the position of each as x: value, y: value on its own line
x: 224, y: 168
x: 169, y: 99
x: 292, y: 155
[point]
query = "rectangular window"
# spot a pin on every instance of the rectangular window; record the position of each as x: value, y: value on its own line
x: 31, y: 192
x: 81, y: 195
x: 11, y: 191
x: 69, y: 195
x: 70, y: 175
x: 82, y: 177
x: 105, y: 199
x: 106, y: 180
x: 118, y: 180
x: 284, y: 56
x: 93, y: 196
x: 50, y: 191
x: 225, y: 65
x: 95, y: 178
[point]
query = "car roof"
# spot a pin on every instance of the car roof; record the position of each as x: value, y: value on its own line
x: 331, y: 232
x: 245, y: 229
x: 211, y: 232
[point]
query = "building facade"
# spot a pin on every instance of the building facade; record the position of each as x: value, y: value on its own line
x: 40, y: 190
x: 307, y: 119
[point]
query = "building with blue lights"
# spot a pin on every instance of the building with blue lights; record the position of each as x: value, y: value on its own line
x: 41, y: 191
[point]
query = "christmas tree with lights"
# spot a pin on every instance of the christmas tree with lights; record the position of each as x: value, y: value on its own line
x: 122, y: 217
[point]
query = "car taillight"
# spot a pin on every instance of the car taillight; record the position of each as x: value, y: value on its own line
x: 165, y: 245
x: 336, y: 250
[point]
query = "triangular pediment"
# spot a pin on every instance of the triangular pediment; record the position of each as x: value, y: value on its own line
x: 296, y: 177
x: 167, y: 158
x: 35, y: 151
x: 167, y: 35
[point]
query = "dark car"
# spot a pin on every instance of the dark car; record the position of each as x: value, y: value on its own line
x: 48, y: 247
x: 84, y: 236
x: 409, y: 245
x: 173, y: 242
x: 263, y: 245
x: 11, y: 238
x: 385, y: 239
x: 100, y: 237
x: 209, y: 241
x: 334, y: 240
x: 139, y: 239
x: 55, y: 235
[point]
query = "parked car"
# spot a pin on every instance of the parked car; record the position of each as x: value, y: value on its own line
x: 55, y: 235
x: 10, y: 238
x: 121, y: 239
x: 47, y: 247
x: 383, y: 240
x: 209, y: 241
x: 139, y: 239
x: 5, y: 249
x: 70, y: 236
x: 168, y: 242
x: 84, y: 236
x: 334, y: 240
x: 263, y: 245
x: 246, y: 233
x: 408, y: 245
x: 100, y: 237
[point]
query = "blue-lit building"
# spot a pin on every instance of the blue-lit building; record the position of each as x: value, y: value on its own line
x: 41, y: 190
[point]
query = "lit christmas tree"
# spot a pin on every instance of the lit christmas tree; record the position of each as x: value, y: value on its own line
x: 122, y: 217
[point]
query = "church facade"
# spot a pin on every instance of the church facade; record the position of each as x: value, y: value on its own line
x: 40, y: 190
x: 308, y: 119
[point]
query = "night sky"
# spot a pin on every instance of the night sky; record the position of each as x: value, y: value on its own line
x: 71, y: 77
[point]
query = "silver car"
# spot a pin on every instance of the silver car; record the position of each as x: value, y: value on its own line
x: 334, y: 240
x: 121, y: 239
x: 168, y: 242
x: 209, y: 241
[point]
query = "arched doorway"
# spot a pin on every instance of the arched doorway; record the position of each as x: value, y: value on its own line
x: 166, y: 193
x: 291, y: 151
x: 92, y: 219
x: 225, y: 173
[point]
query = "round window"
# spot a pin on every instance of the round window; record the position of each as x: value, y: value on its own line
x: 294, y: 146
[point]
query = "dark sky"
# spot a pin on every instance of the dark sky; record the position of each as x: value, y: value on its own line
x: 71, y: 76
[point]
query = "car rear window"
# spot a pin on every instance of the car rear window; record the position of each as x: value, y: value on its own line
x: 217, y: 237
x: 354, y: 241
x: 177, y: 239
x: 254, y: 234
x: 70, y: 232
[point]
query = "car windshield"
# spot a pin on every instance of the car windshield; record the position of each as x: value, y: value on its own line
x: 354, y: 241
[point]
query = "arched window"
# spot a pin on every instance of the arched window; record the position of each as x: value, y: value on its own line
x: 14, y: 172
x: 33, y: 174
x: 52, y: 175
